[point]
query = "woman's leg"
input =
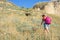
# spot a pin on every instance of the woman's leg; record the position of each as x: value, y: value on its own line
x: 46, y: 29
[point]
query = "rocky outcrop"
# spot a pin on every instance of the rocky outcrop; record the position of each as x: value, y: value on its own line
x: 50, y: 7
x: 53, y: 8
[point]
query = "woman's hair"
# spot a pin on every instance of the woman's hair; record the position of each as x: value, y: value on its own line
x: 43, y: 15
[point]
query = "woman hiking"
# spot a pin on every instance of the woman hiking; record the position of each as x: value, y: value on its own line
x: 46, y: 21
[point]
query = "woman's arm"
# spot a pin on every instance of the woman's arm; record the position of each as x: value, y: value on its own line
x: 42, y: 22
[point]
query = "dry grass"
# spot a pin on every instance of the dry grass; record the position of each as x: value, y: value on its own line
x: 16, y: 27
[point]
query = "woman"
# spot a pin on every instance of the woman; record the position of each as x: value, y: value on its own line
x: 46, y: 21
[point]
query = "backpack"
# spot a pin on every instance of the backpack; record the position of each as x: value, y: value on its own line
x: 48, y: 20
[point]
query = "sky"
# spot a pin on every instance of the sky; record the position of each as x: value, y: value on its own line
x: 26, y: 3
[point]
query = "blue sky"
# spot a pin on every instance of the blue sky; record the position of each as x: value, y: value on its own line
x: 26, y: 3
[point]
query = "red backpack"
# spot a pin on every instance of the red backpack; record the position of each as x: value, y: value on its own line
x: 48, y: 20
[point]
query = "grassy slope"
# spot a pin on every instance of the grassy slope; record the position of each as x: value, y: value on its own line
x: 14, y: 25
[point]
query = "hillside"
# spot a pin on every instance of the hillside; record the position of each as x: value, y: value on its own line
x: 15, y: 25
x: 49, y: 7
